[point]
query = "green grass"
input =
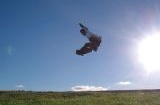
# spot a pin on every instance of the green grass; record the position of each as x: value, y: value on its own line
x: 80, y: 98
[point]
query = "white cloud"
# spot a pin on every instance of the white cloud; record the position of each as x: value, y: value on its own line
x: 88, y: 88
x: 19, y: 86
x: 124, y: 83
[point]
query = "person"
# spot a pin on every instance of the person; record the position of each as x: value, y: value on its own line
x: 92, y: 45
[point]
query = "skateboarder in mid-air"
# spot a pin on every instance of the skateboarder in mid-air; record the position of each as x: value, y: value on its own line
x: 92, y: 45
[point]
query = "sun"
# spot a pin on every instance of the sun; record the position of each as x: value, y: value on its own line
x: 149, y: 52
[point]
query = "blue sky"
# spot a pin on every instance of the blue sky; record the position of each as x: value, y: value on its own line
x: 38, y: 39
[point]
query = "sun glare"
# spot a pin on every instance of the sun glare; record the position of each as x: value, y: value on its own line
x: 149, y: 52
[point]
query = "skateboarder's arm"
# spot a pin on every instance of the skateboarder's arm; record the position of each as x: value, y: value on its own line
x: 82, y: 26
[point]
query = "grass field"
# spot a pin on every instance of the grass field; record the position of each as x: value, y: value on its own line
x: 139, y: 97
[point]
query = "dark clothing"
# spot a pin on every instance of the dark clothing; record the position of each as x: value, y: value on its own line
x: 84, y: 50
x: 88, y: 47
x: 95, y: 42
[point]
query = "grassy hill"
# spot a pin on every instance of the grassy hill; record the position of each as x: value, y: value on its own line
x: 129, y: 97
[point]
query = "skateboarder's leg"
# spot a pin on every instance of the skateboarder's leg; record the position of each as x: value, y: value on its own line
x: 85, y: 49
x: 86, y: 45
x: 79, y: 52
